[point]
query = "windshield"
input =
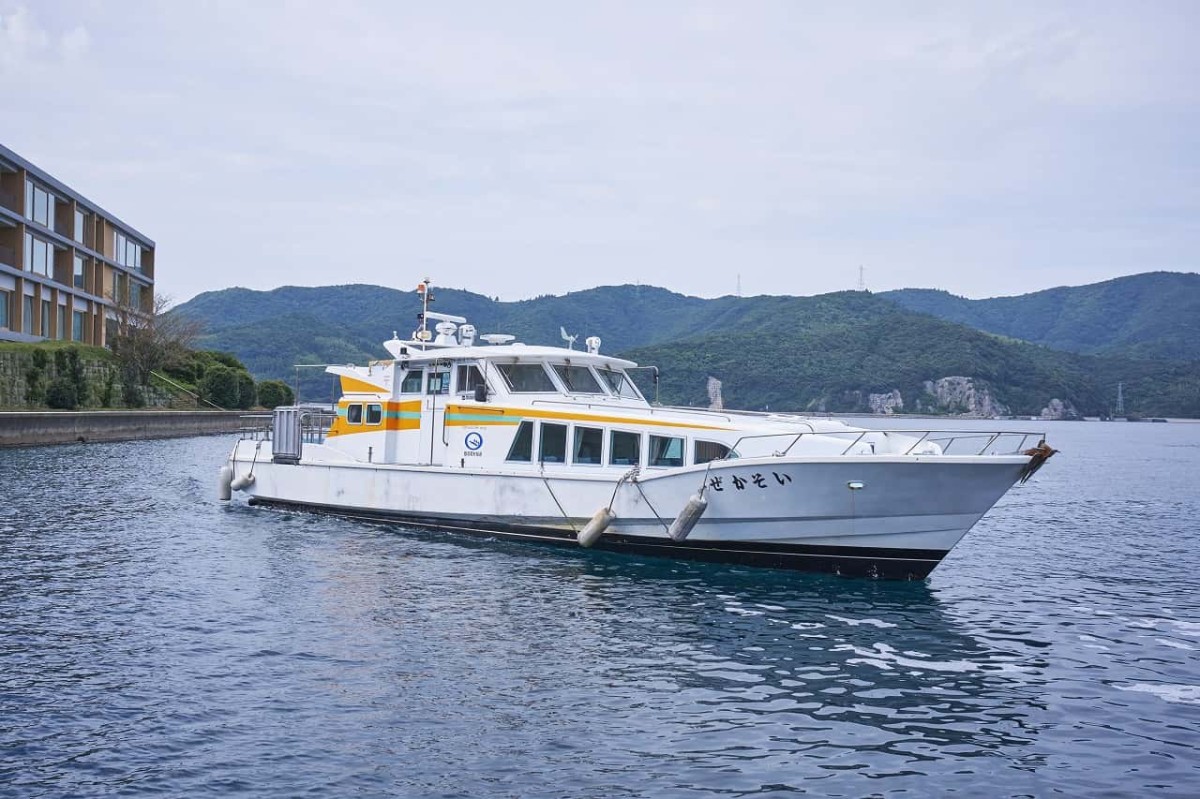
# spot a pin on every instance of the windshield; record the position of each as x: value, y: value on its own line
x: 620, y: 383
x: 578, y: 379
x: 527, y: 377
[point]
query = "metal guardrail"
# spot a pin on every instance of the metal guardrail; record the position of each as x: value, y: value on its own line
x: 1014, y: 442
x: 314, y: 426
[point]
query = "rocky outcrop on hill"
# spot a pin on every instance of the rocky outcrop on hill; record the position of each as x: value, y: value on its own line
x: 888, y: 403
x: 1057, y: 409
x: 957, y: 394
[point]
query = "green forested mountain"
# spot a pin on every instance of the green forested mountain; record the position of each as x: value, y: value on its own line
x: 831, y: 352
x: 1152, y: 315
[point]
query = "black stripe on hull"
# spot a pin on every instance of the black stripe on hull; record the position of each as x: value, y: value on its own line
x: 873, y: 562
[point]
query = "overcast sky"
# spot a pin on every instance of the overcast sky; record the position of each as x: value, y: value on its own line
x: 521, y: 148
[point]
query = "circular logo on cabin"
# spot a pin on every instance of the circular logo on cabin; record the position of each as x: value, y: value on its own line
x: 474, y: 441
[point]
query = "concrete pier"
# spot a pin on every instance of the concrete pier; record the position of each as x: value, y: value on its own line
x: 36, y: 428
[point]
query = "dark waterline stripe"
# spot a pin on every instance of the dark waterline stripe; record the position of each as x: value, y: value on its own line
x: 875, y: 562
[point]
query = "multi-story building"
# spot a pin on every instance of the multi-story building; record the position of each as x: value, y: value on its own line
x: 68, y: 268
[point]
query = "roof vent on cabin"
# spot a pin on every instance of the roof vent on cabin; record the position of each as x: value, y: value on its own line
x: 593, y: 344
x: 497, y: 338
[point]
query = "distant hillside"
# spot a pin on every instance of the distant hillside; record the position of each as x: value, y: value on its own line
x: 849, y: 351
x: 1153, y: 315
x: 875, y: 355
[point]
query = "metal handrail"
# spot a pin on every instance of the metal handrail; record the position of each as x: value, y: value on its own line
x: 934, y: 436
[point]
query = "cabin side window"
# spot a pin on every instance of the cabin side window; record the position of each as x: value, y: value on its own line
x: 577, y: 379
x: 527, y: 378
x: 438, y: 381
x: 522, y: 446
x: 354, y: 414
x: 553, y: 448
x: 705, y: 451
x: 625, y: 449
x: 469, y: 377
x: 666, y: 451
x: 374, y: 413
x: 589, y: 442
x: 412, y: 382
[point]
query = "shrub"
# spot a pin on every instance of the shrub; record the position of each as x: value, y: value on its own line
x: 61, y: 394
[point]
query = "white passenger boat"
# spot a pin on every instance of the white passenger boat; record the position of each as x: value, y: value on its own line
x: 486, y: 435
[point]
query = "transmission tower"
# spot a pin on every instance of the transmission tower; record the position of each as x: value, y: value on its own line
x: 862, y: 282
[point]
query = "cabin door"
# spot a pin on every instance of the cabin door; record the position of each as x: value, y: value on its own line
x: 433, y: 415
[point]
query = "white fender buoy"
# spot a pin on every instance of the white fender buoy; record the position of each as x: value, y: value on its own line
x: 595, y: 527
x: 242, y: 483
x: 224, y: 476
x: 687, y: 518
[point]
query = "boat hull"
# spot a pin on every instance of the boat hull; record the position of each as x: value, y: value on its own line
x: 883, y: 517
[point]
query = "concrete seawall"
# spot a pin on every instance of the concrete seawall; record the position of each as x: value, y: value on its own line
x: 35, y: 428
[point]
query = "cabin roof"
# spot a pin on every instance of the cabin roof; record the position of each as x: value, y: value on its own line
x: 510, y: 352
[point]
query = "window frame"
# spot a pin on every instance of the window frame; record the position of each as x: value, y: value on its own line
x: 696, y: 442
x: 566, y: 382
x: 650, y: 460
x: 575, y: 442
x: 604, y: 371
x: 524, y: 426
x: 419, y: 374
x: 548, y: 373
x: 566, y: 441
x: 377, y: 407
x: 612, y: 447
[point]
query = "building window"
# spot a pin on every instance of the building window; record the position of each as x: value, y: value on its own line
x: 135, y: 295
x: 77, y: 278
x: 80, y: 226
x: 625, y: 449
x: 5, y: 299
x: 666, y: 451
x: 62, y: 323
x: 39, y: 205
x: 354, y: 414
x: 77, y: 325
x: 39, y: 256
x: 27, y: 316
x: 126, y: 251
x: 45, y: 318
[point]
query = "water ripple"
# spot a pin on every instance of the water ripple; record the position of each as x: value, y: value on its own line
x: 156, y: 641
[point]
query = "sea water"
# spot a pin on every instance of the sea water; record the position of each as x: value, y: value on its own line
x: 156, y: 641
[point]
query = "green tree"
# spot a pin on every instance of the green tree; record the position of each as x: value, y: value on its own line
x: 220, y: 386
x: 247, y: 395
x: 273, y: 393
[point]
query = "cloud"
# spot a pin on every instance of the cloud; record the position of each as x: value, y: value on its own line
x: 534, y: 147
